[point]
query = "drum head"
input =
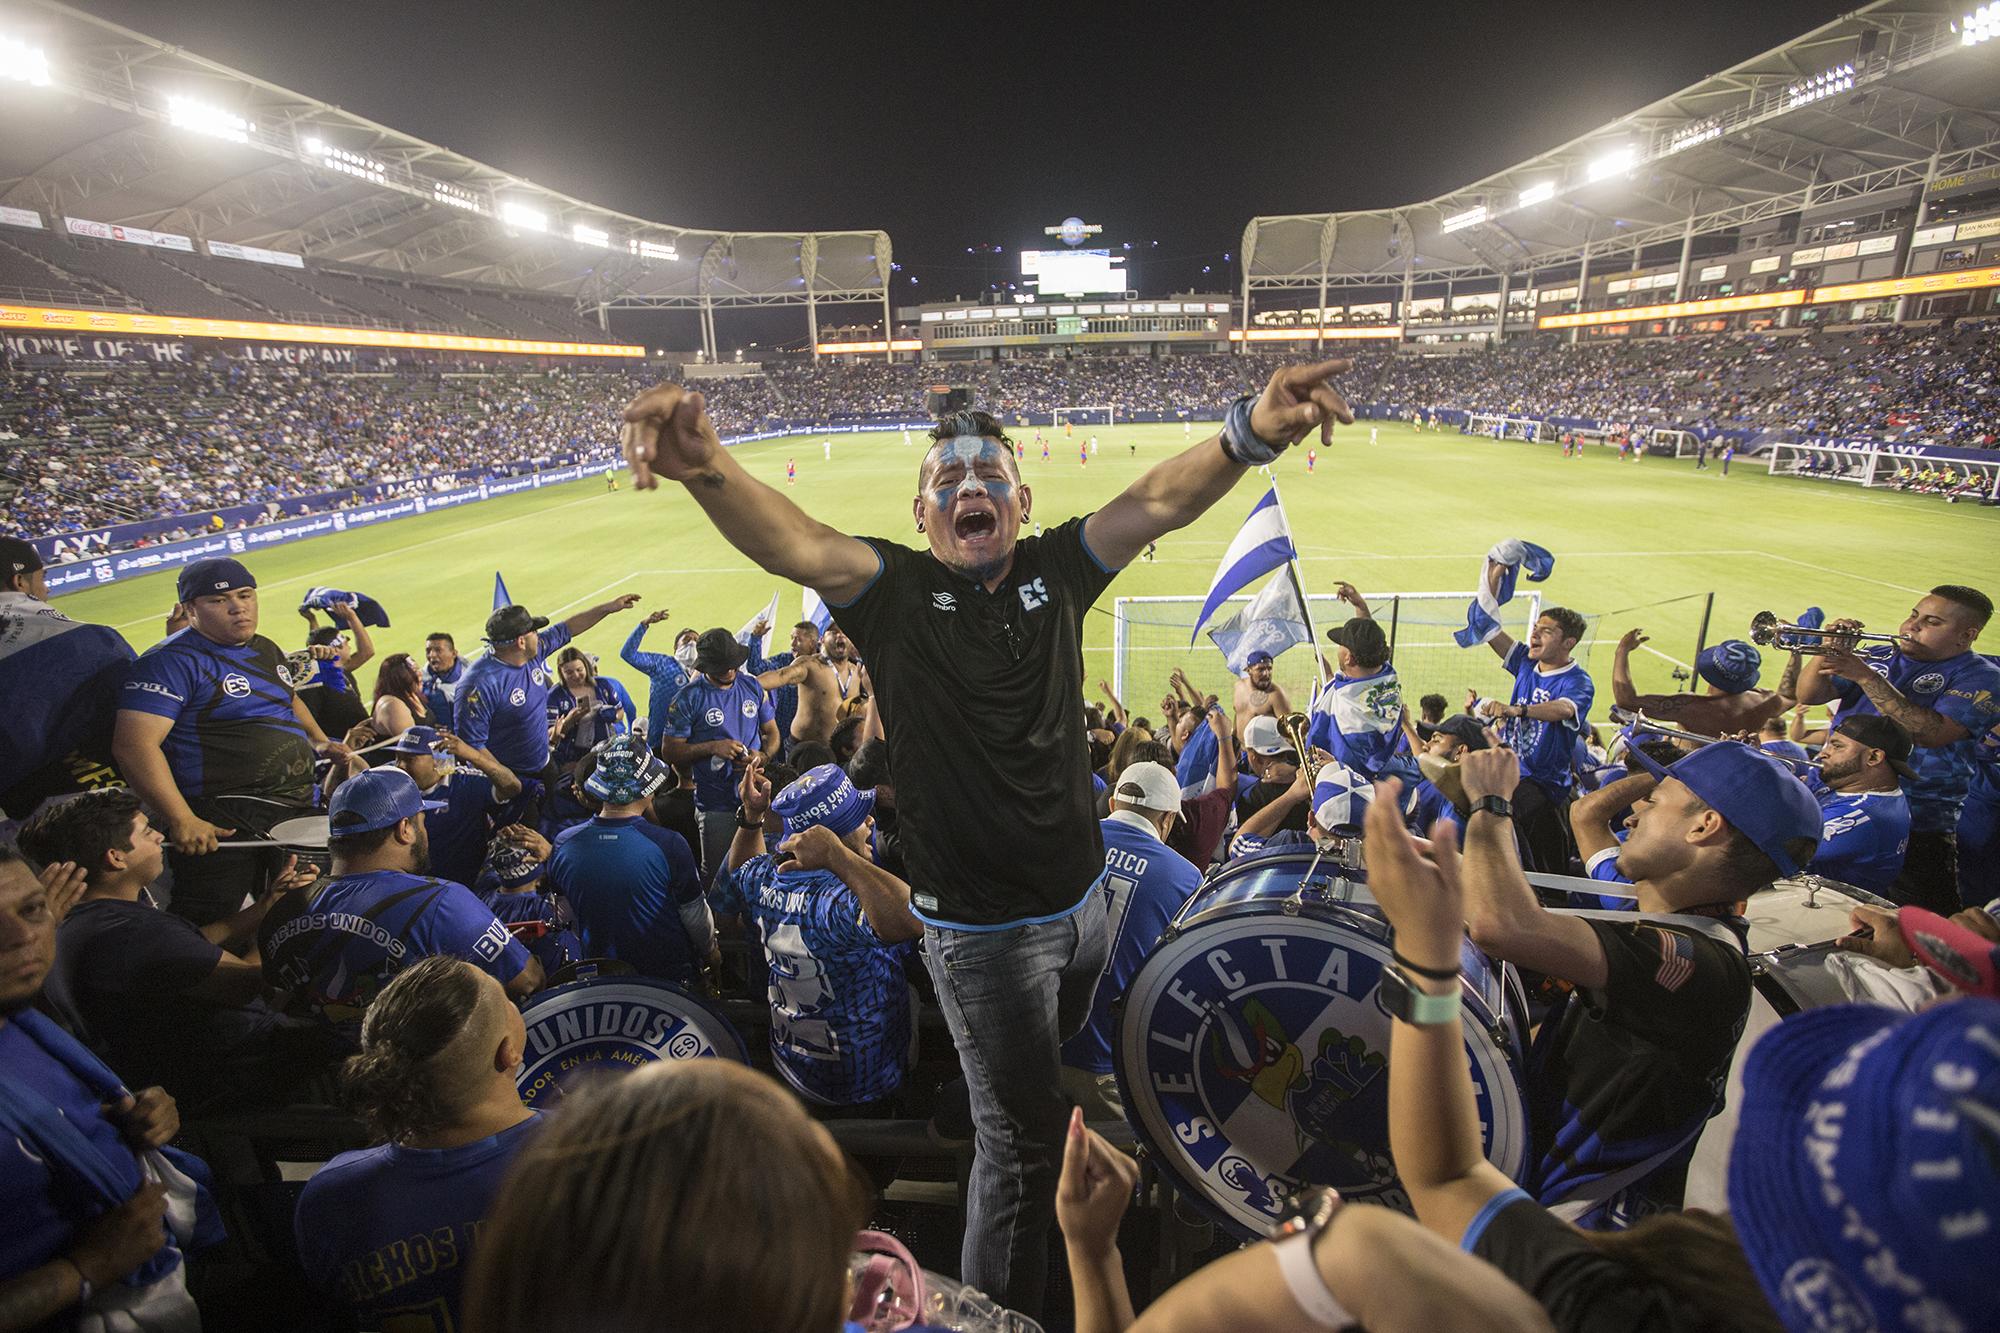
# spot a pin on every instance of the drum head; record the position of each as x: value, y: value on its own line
x: 1252, y: 1054
x: 612, y: 1025
x: 307, y: 833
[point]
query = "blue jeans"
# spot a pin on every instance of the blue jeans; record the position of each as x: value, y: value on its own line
x: 1011, y: 997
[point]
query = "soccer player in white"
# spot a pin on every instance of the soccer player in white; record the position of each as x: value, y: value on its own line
x: 826, y: 447
x: 1374, y: 435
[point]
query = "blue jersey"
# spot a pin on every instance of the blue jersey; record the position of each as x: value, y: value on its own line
x: 1603, y: 866
x: 389, y: 1231
x: 1358, y: 720
x: 1966, y: 689
x: 1145, y: 882
x: 840, y: 1006
x: 336, y: 944
x: 588, y: 733
x: 627, y: 882
x: 461, y: 832
x: 440, y: 690
x: 540, y: 921
x: 705, y: 711
x: 234, y: 731
x: 504, y: 710
x: 1863, y: 838
x: 1544, y: 747
x: 1424, y: 805
x: 664, y: 675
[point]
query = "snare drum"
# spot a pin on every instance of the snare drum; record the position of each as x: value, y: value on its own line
x: 613, y: 1025
x: 305, y: 838
x: 1252, y: 1051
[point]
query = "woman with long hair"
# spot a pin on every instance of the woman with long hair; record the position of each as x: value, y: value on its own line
x: 399, y: 697
x: 585, y: 709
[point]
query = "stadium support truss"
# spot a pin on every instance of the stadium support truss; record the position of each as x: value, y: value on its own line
x: 131, y: 132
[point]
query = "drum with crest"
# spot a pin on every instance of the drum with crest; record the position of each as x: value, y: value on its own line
x: 1252, y: 1050
x: 605, y: 1024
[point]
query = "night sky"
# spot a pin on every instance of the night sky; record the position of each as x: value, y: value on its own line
x: 956, y: 125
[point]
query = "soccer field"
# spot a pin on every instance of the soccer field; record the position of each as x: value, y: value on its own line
x: 1635, y: 543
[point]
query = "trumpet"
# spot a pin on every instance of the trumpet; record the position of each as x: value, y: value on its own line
x: 1637, y: 721
x: 1767, y: 631
x: 1292, y: 726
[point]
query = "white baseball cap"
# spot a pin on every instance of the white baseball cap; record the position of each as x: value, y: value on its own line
x: 1263, y: 736
x: 1149, y: 786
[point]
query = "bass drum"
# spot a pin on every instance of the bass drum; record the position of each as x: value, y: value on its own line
x: 1252, y: 1049
x: 613, y: 1025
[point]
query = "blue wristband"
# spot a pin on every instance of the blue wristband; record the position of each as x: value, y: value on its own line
x: 1240, y: 442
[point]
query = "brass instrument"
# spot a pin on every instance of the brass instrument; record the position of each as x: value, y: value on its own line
x: 1292, y: 726
x: 1638, y: 722
x: 1767, y: 631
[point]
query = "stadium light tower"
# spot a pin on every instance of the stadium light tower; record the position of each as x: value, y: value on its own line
x: 523, y: 217
x: 1981, y: 25
x: 1537, y: 194
x: 188, y: 113
x: 1614, y: 163
x: 21, y: 63
x: 596, y: 236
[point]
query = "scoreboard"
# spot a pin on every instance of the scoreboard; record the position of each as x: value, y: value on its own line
x: 1075, y: 272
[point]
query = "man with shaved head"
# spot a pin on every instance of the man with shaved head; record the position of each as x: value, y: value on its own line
x: 975, y: 651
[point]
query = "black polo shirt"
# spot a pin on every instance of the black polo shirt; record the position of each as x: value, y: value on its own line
x: 982, y: 703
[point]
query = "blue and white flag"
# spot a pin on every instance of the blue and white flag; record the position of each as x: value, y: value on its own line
x: 1509, y: 557
x: 500, y: 597
x: 1273, y: 622
x: 769, y: 617
x: 1261, y: 545
x: 366, y: 607
x: 1340, y: 797
x: 816, y: 610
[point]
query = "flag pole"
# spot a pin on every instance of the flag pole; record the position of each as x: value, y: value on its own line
x: 1298, y: 584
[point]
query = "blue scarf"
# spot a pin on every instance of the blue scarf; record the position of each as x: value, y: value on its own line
x: 107, y: 1182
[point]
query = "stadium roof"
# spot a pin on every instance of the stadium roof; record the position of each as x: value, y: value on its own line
x: 122, y: 129
x: 1874, y: 103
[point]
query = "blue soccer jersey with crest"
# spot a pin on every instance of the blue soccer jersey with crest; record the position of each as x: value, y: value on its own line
x: 1966, y: 689
x: 705, y: 711
x: 234, y: 731
x: 1145, y: 882
x: 840, y: 1007
x: 1545, y: 747
x: 335, y: 945
x: 1863, y: 837
x: 504, y: 710
x: 628, y: 883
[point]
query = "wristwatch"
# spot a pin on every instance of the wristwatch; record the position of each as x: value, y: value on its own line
x: 1307, y: 1211
x: 1495, y: 805
x: 1403, y: 1001
x: 741, y: 822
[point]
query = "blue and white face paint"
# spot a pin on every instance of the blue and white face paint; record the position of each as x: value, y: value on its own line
x: 972, y: 502
x: 971, y: 465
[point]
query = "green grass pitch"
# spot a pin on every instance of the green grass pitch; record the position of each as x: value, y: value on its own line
x: 1417, y: 511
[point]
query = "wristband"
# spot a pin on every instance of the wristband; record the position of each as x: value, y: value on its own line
x: 741, y: 822
x: 1429, y: 973
x: 1240, y: 442
x: 1302, y: 1278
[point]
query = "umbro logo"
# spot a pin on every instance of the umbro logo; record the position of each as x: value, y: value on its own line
x: 944, y: 601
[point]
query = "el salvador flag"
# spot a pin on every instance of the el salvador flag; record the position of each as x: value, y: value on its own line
x: 1510, y: 557
x: 815, y: 609
x: 367, y: 608
x: 1261, y: 545
x: 1273, y: 622
x: 769, y: 615
x: 1340, y: 797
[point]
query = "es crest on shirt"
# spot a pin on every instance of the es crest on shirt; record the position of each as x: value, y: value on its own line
x: 518, y: 697
x: 944, y: 601
x: 235, y: 686
x: 714, y: 717
x: 1034, y: 593
x: 1928, y: 683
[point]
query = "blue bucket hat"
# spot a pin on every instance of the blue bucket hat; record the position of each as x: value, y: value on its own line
x: 1865, y: 1168
x: 824, y: 796
x: 1732, y: 666
x: 626, y: 771
x: 1756, y: 792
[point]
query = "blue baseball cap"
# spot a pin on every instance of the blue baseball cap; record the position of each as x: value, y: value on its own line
x: 823, y: 796
x: 211, y: 576
x: 377, y: 799
x: 1756, y: 792
x: 415, y: 740
x: 1865, y: 1168
x: 1257, y: 656
x: 1732, y: 666
x: 626, y: 772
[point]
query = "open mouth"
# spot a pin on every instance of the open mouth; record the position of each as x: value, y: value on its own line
x: 975, y: 524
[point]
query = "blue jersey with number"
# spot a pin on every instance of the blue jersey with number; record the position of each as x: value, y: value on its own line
x: 234, y: 731
x: 504, y: 709
x: 1863, y: 837
x: 1145, y: 882
x: 840, y: 1006
x: 705, y: 711
x: 336, y: 944
x: 1966, y: 689
x: 1545, y: 747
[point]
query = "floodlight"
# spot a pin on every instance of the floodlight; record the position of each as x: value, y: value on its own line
x: 1690, y: 135
x: 1981, y: 25
x: 1471, y: 217
x: 1537, y: 194
x: 1614, y: 163
x: 456, y: 196
x: 357, y: 165
x: 652, y: 250
x: 21, y: 63
x: 589, y: 235
x: 523, y: 216
x: 188, y: 114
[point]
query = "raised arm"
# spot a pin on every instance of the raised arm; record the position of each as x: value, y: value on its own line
x: 634, y: 656
x: 1590, y: 814
x: 792, y: 673
x: 1348, y: 593
x: 1501, y: 910
x: 1117, y: 709
x: 506, y: 784
x: 1173, y: 494
x: 1225, y: 749
x: 1927, y: 726
x: 364, y: 643
x: 584, y: 619
x: 667, y: 431
x: 885, y: 900
x: 1623, y: 692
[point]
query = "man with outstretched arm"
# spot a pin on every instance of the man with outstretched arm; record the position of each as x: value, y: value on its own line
x: 995, y: 800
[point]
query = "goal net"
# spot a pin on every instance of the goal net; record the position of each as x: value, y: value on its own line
x: 1499, y: 427
x: 1678, y: 443
x: 1150, y: 638
x: 1086, y: 416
